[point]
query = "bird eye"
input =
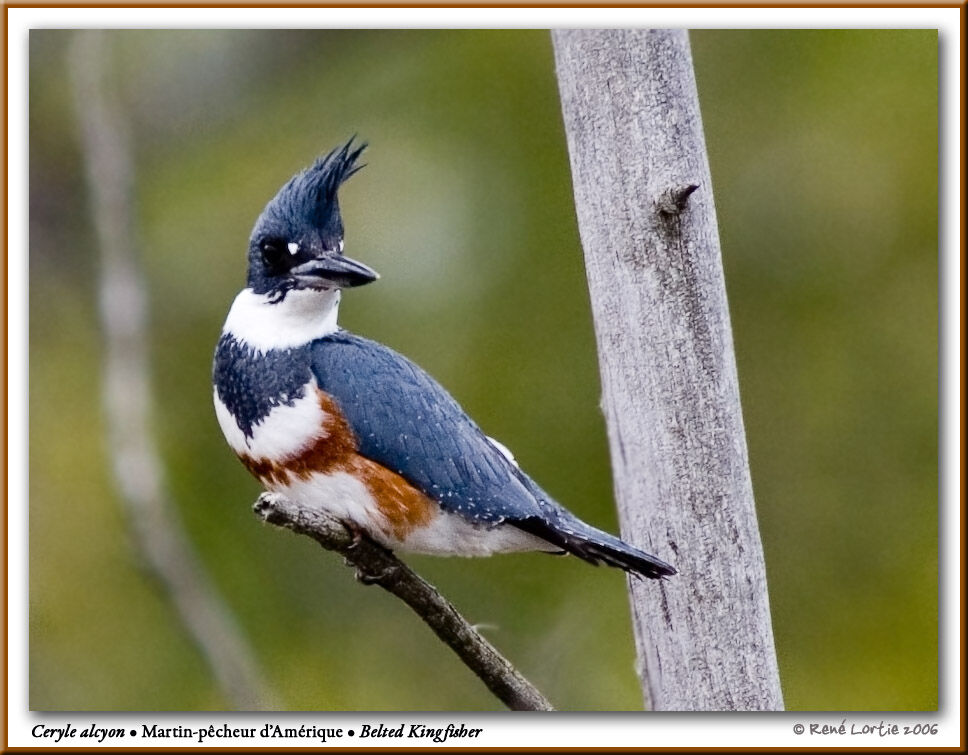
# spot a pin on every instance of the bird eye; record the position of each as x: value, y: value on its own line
x: 273, y: 252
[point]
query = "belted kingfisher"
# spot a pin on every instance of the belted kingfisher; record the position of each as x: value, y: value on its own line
x: 339, y: 422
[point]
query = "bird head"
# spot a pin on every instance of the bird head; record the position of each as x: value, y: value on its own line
x: 297, y: 242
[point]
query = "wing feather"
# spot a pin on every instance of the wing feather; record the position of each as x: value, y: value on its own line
x: 406, y: 421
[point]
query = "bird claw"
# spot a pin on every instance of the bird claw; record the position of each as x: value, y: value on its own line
x: 357, y: 533
x: 369, y: 578
x: 373, y: 574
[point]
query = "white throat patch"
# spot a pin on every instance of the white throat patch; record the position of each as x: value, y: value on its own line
x: 303, y: 316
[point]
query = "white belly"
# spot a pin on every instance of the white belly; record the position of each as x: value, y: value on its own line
x: 343, y: 496
x: 452, y: 535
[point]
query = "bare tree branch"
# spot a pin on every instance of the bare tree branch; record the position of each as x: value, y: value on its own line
x: 376, y: 565
x: 126, y: 387
x: 648, y: 227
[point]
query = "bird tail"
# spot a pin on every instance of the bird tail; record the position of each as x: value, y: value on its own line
x: 596, y: 546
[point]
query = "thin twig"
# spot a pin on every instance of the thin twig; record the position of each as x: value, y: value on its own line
x: 376, y: 565
x: 138, y: 470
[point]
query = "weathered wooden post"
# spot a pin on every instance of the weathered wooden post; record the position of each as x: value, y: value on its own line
x: 648, y: 227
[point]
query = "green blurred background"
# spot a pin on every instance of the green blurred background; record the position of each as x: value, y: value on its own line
x: 823, y: 147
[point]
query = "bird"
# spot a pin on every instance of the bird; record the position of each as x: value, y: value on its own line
x: 337, y: 422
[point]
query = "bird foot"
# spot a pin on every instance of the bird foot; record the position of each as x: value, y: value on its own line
x: 371, y: 578
x: 356, y: 531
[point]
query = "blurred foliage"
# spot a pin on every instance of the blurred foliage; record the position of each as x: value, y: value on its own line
x: 823, y: 147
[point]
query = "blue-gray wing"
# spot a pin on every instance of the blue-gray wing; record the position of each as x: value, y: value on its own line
x: 406, y: 421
